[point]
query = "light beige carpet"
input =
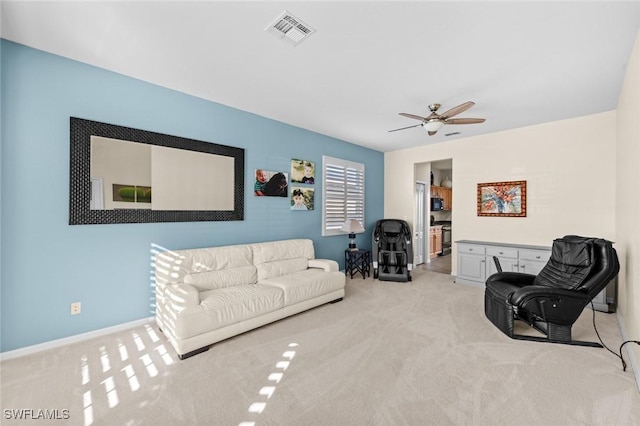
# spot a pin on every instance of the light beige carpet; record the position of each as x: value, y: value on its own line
x: 418, y: 353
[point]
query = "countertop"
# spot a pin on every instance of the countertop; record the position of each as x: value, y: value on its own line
x: 490, y: 243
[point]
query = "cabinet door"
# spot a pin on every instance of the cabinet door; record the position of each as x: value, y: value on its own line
x: 530, y: 266
x: 447, y: 196
x: 507, y: 256
x: 532, y: 261
x: 432, y: 243
x: 471, y: 267
x: 439, y: 241
x: 508, y: 264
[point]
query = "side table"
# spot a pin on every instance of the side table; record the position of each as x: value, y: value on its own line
x: 357, y: 261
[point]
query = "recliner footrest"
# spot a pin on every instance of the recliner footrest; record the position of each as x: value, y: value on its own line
x: 499, y: 311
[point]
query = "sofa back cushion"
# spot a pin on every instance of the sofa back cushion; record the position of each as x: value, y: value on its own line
x: 207, y: 268
x: 211, y: 280
x: 277, y: 258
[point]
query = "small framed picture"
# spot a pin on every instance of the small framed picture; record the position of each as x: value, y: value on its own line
x: 270, y: 184
x: 505, y: 199
x: 303, y: 171
x: 302, y: 198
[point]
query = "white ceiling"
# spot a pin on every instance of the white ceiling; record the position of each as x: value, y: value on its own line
x: 523, y: 63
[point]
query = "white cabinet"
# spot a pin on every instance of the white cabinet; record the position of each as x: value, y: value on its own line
x: 532, y: 261
x: 508, y: 258
x: 476, y: 264
x: 471, y: 263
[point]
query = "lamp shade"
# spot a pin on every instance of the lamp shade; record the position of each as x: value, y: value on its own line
x: 352, y: 226
x: 433, y: 125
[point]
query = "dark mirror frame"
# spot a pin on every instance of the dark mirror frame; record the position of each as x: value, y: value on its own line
x: 81, y: 131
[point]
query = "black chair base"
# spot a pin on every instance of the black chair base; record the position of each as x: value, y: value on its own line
x: 563, y: 342
x: 502, y: 315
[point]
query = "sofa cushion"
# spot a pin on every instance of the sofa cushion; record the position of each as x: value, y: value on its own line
x: 211, y: 280
x: 307, y: 284
x: 225, y: 306
x: 281, y: 257
x: 173, y: 266
x: 281, y: 267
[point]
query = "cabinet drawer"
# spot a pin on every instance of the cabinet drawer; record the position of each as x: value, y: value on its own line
x: 502, y: 252
x: 537, y: 255
x: 471, y: 249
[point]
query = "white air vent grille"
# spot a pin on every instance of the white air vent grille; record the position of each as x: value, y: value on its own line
x: 290, y: 28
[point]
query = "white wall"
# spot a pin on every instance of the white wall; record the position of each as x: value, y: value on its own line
x: 628, y: 203
x: 569, y: 167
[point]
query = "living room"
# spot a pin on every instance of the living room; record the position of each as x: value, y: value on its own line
x: 582, y: 178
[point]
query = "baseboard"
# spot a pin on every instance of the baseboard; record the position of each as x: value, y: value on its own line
x: 72, y: 339
x: 630, y: 358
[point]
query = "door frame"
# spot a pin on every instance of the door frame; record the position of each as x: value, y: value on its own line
x: 425, y: 215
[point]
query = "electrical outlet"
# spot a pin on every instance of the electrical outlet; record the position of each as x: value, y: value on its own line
x: 75, y: 308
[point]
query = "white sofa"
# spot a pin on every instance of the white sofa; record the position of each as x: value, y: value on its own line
x: 207, y: 295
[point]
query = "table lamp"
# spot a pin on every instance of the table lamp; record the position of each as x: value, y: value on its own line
x: 352, y: 227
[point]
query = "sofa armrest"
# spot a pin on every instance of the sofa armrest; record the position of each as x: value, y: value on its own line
x: 326, y: 264
x: 182, y: 296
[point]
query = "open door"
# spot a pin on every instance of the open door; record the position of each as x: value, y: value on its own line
x: 419, y: 229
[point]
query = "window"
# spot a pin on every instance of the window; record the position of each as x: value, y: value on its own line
x: 342, y: 194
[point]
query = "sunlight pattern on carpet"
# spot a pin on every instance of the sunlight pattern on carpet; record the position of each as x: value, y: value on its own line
x: 259, y: 406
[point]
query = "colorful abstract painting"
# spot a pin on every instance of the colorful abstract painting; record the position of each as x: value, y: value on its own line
x: 502, y: 199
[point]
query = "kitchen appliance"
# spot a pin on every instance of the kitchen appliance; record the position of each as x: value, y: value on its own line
x: 446, y: 240
x: 437, y: 204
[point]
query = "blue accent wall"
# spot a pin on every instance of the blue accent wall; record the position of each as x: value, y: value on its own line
x: 48, y: 264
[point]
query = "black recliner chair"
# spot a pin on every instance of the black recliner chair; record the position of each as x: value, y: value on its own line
x: 392, y: 253
x: 552, y: 301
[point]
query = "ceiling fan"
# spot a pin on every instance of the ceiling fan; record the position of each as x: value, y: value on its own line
x: 434, y: 122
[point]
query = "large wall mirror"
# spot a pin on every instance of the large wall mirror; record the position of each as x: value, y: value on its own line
x: 125, y: 175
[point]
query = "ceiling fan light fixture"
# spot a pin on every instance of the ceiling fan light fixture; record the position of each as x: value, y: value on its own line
x: 433, y: 125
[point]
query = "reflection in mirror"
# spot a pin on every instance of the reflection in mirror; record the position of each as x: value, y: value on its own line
x: 124, y: 175
x: 180, y: 180
x: 119, y: 167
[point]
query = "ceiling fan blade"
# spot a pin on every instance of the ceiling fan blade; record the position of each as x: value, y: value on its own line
x: 416, y: 117
x: 457, y: 110
x: 465, y: 120
x: 403, y: 128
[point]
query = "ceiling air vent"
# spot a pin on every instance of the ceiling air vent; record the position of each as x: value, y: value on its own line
x: 290, y: 28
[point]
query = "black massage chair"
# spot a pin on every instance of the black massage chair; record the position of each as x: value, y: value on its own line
x: 552, y: 301
x: 392, y: 254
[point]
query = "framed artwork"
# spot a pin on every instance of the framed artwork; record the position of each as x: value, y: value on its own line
x: 505, y: 199
x: 270, y: 184
x: 303, y: 171
x: 302, y: 198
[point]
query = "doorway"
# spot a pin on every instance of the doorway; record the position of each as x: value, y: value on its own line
x: 419, y: 231
x: 433, y: 229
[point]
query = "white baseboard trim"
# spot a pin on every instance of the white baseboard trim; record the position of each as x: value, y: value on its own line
x: 630, y: 358
x: 72, y: 339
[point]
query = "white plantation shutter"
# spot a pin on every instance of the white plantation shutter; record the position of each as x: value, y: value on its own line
x: 343, y: 194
